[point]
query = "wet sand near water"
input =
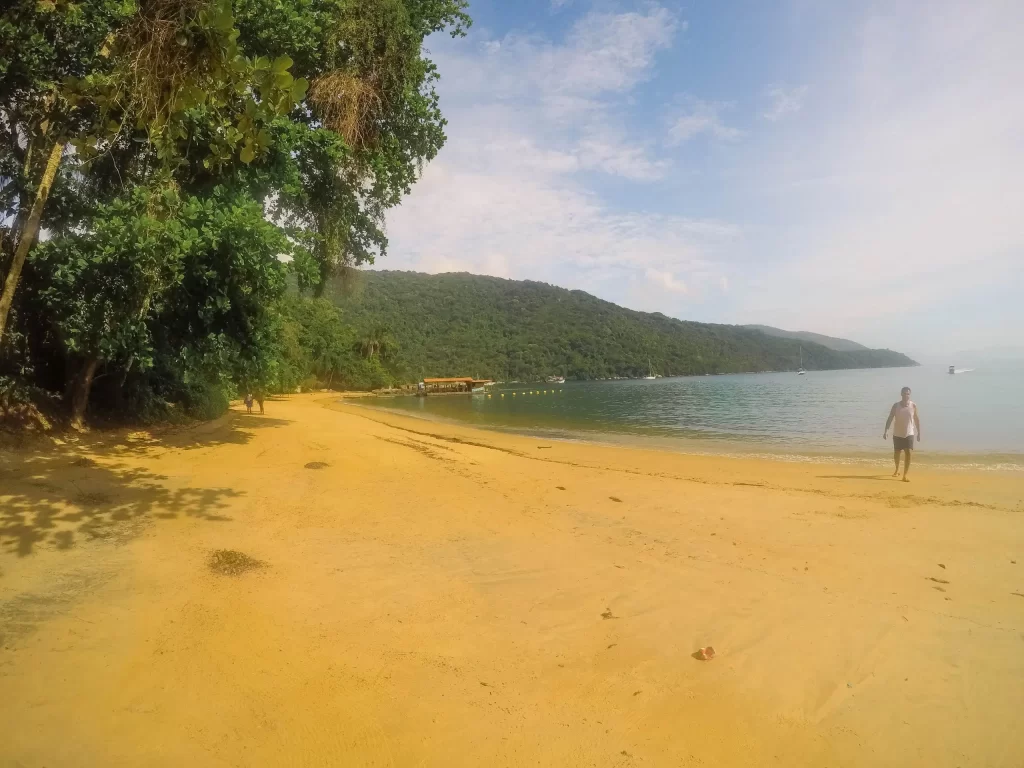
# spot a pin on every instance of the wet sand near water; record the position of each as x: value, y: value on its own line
x: 331, y: 585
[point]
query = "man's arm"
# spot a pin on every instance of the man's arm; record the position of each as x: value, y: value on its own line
x: 888, y: 422
x: 917, y: 424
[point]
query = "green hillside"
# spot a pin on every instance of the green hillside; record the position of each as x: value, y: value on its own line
x: 461, y: 324
x: 840, y: 345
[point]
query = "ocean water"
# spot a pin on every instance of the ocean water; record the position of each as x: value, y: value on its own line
x: 976, y: 415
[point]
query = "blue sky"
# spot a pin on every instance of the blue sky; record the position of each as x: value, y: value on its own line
x: 855, y: 169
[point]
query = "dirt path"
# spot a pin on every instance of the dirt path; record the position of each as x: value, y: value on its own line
x: 425, y: 595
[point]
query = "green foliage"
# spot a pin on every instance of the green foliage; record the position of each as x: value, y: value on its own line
x: 843, y: 345
x: 378, y: 343
x: 319, y: 349
x: 467, y: 325
x: 206, y: 400
x: 101, y: 286
x: 217, y: 144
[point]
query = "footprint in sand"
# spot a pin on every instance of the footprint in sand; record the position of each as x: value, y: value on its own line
x: 615, y: 498
x: 560, y: 487
x: 937, y: 581
x: 608, y: 615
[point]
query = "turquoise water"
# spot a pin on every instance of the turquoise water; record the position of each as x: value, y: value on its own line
x: 979, y: 413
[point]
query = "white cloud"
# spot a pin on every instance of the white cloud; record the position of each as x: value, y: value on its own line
x: 895, y: 207
x: 785, y: 100
x: 889, y: 212
x: 667, y: 280
x: 542, y: 226
x: 603, y: 54
x: 534, y: 126
x: 616, y: 156
x: 702, y: 117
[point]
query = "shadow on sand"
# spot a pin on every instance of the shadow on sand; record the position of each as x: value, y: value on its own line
x: 90, y: 487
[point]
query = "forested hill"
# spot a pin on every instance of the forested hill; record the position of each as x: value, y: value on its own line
x: 469, y: 325
x: 840, y: 345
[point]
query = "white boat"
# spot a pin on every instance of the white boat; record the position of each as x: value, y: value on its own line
x: 800, y: 371
x: 556, y: 379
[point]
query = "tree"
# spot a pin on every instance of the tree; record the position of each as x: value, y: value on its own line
x: 152, y: 274
x: 195, y: 169
x: 370, y: 121
x: 378, y: 342
x: 91, y: 74
x: 99, y: 287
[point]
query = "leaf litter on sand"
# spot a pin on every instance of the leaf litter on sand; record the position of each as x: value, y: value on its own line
x: 228, y: 562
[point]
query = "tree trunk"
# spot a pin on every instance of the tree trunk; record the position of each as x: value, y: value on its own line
x: 80, y: 393
x: 29, y: 234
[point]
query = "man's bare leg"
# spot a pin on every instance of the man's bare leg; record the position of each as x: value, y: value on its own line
x: 906, y: 465
x: 896, y: 461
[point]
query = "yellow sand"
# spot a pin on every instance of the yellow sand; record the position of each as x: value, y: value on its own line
x: 439, y: 596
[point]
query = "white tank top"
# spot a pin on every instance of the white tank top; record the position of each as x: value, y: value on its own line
x: 903, y: 424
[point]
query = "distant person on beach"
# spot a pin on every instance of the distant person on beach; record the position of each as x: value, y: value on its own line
x: 248, y: 402
x: 259, y: 401
x: 906, y: 428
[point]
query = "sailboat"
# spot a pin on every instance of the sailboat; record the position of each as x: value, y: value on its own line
x: 650, y: 371
x: 800, y: 371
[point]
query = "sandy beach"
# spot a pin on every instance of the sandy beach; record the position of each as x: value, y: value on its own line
x: 420, y: 594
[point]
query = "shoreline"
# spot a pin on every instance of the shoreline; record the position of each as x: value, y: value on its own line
x: 994, y: 461
x: 416, y: 593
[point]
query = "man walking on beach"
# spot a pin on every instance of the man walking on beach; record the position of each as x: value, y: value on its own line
x: 906, y: 428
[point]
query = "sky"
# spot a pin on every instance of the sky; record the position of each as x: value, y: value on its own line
x: 854, y: 168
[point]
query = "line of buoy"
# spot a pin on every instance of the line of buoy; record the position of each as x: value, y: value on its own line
x: 533, y: 392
